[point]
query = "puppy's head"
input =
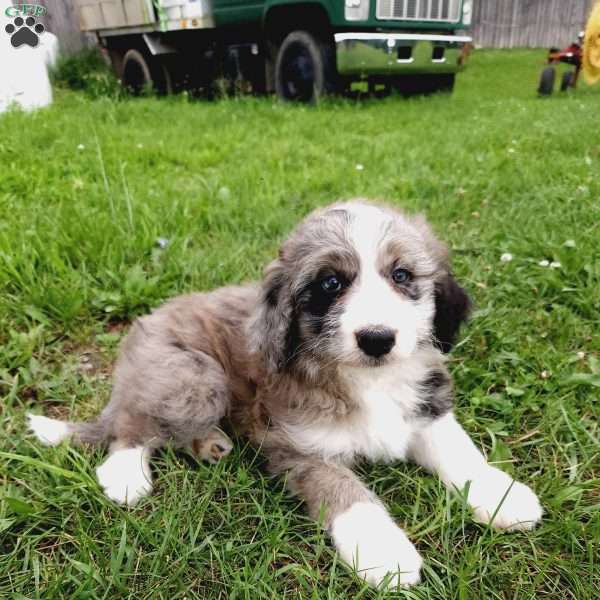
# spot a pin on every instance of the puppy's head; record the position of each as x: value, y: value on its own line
x: 356, y: 284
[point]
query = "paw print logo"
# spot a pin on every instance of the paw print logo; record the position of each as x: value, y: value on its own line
x: 24, y: 32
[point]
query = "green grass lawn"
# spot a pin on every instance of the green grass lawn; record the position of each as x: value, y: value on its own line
x: 88, y: 186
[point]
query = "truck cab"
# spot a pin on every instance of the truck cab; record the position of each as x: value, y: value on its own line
x: 301, y: 50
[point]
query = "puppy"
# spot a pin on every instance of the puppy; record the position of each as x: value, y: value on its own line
x: 338, y: 355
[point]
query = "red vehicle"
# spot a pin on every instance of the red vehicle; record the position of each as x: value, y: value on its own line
x: 572, y: 55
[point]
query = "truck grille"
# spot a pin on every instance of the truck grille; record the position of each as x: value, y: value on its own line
x: 419, y: 10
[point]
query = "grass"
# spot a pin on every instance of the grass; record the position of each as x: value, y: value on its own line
x: 88, y: 186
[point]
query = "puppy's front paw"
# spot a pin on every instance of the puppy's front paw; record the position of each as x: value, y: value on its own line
x: 367, y: 538
x: 520, y: 509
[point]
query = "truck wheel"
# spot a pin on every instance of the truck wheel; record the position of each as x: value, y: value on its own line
x: 304, y: 69
x: 547, y: 81
x: 566, y: 81
x: 142, y: 72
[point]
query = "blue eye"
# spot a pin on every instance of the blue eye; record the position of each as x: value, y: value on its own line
x: 331, y: 284
x: 401, y: 275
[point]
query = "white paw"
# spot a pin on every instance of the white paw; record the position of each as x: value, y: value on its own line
x: 49, y: 432
x: 520, y: 509
x: 368, y: 539
x: 125, y: 475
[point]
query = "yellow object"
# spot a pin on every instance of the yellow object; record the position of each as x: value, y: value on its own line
x: 591, y: 46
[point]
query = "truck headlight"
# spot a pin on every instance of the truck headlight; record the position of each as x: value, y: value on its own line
x: 467, y: 12
x: 356, y: 10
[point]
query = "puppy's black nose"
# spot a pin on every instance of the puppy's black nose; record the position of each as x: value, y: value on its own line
x: 375, y: 342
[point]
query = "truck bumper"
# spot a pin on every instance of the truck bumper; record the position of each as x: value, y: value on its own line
x: 363, y: 54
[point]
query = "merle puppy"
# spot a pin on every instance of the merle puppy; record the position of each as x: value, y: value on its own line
x: 337, y: 355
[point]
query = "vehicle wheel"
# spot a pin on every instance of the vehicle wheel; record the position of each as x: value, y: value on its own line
x: 547, y: 81
x: 141, y: 72
x: 305, y: 68
x: 566, y: 81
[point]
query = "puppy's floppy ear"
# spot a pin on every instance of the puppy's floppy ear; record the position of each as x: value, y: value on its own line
x: 452, y: 308
x: 270, y: 325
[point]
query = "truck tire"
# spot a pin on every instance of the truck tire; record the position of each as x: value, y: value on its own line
x: 546, y: 86
x: 142, y: 72
x: 305, y: 68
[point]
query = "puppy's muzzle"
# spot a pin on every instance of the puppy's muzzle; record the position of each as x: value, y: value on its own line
x: 376, y: 341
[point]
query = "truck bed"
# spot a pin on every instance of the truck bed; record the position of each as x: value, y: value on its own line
x: 118, y: 17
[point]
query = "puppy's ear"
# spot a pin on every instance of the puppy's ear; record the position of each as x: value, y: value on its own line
x: 452, y: 308
x: 270, y: 325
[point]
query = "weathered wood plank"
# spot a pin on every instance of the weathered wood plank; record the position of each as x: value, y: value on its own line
x: 528, y: 23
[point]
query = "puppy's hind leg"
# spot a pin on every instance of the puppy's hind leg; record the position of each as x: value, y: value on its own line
x: 125, y: 475
x: 213, y: 447
x: 50, y: 432
x: 164, y: 393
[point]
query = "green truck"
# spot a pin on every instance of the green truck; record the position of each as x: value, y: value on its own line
x: 299, y: 49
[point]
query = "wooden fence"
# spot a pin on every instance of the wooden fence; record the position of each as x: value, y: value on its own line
x: 62, y: 21
x: 528, y: 23
x: 496, y: 23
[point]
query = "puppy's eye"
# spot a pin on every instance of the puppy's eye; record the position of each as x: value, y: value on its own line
x: 401, y: 276
x: 331, y: 284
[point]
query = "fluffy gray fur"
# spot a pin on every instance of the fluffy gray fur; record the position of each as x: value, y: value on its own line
x: 265, y: 361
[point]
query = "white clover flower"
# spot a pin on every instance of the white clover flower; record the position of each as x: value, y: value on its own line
x: 506, y: 257
x: 80, y: 147
x: 224, y: 193
x: 570, y: 244
x: 544, y: 263
x: 555, y: 265
x: 545, y: 374
x: 360, y: 167
x: 581, y: 355
x: 162, y: 242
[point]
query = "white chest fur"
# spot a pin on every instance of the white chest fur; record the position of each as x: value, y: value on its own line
x: 380, y: 430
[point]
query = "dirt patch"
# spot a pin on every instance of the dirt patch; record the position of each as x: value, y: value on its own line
x: 92, y: 361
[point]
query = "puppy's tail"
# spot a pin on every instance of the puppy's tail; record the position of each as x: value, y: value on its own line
x: 52, y: 432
